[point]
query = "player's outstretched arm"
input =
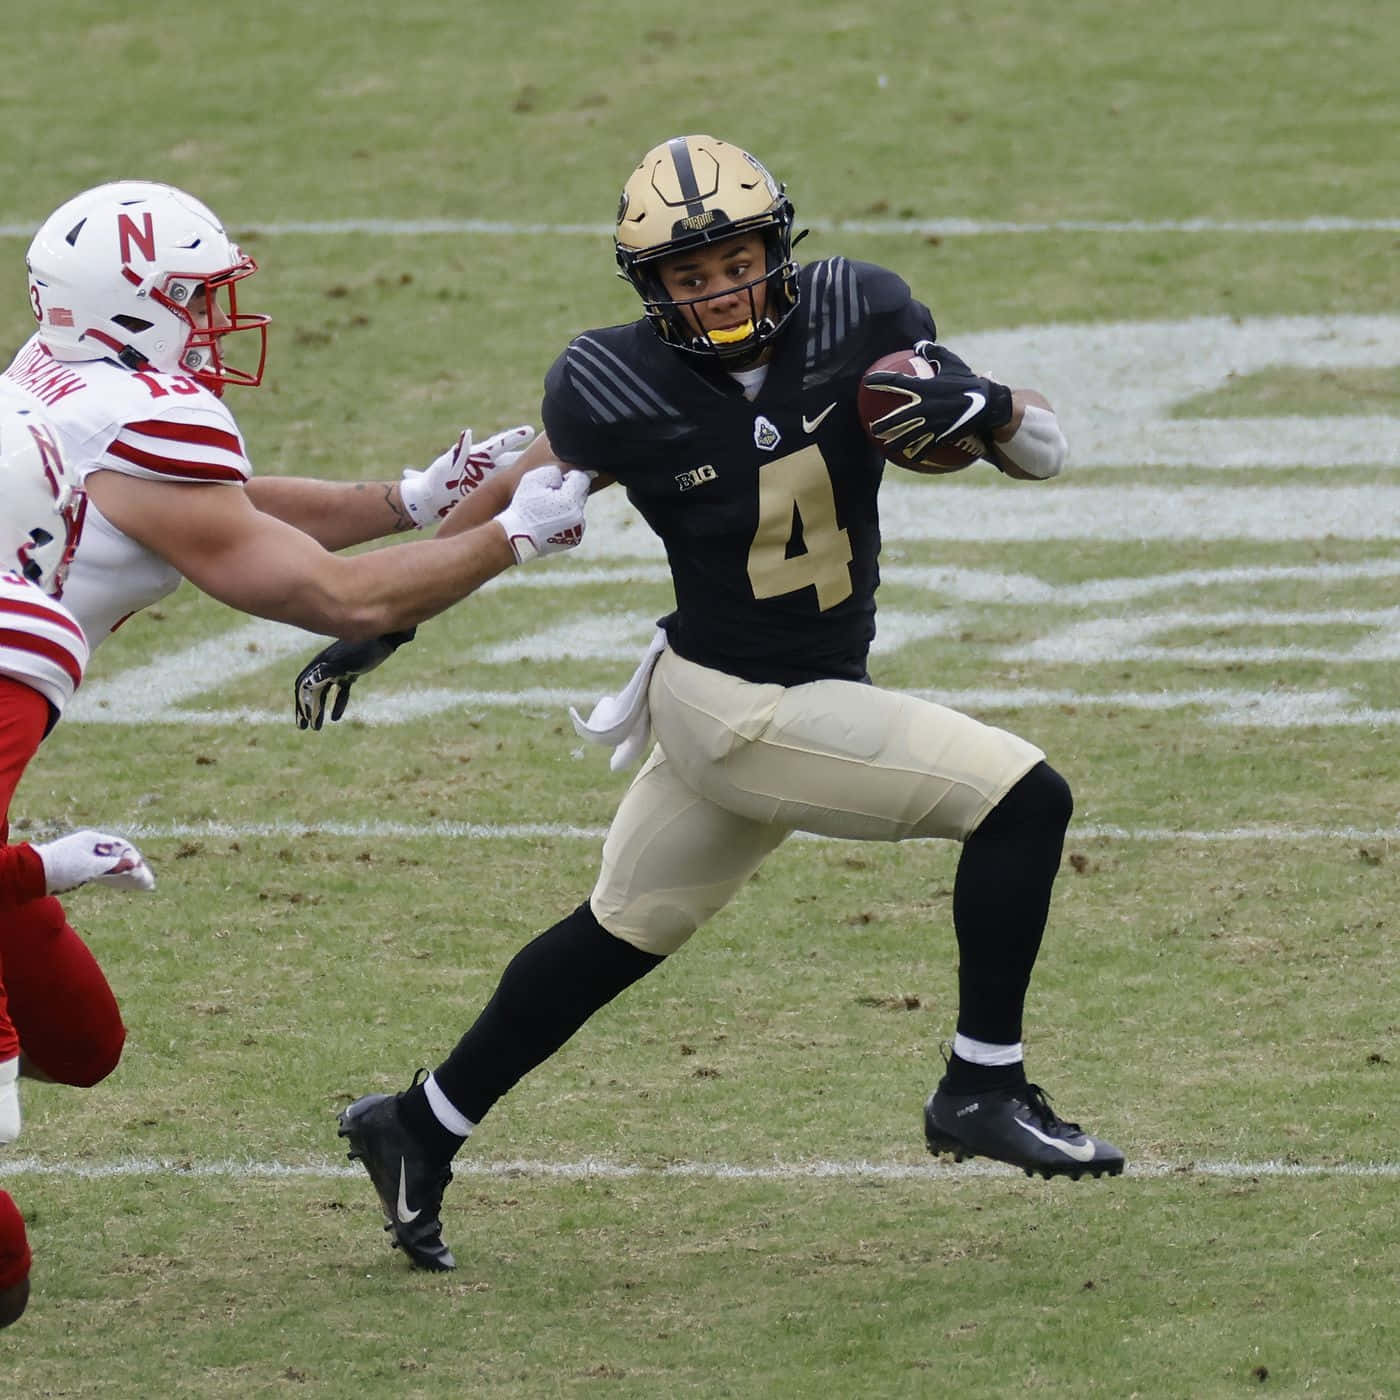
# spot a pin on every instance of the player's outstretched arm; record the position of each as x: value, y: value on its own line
x: 538, y: 520
x: 258, y: 564
x: 339, y: 514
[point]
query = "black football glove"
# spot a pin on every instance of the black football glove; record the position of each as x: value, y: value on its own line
x: 949, y: 405
x: 338, y: 667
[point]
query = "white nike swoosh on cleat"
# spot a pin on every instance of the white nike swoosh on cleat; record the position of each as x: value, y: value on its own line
x: 406, y: 1216
x: 978, y: 402
x: 1080, y: 1154
x: 810, y: 425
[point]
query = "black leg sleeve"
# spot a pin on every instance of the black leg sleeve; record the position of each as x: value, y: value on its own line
x: 1001, y: 898
x: 550, y: 988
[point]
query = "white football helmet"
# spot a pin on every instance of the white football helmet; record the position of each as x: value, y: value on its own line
x: 117, y: 272
x: 41, y: 507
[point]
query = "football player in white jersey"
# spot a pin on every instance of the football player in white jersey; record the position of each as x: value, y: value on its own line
x: 135, y: 289
x: 57, y: 1014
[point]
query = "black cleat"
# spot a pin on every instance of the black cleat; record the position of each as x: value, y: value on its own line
x: 410, y: 1184
x: 1016, y: 1126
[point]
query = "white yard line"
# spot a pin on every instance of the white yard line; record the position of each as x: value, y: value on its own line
x: 558, y: 831
x: 597, y: 1167
x: 924, y: 228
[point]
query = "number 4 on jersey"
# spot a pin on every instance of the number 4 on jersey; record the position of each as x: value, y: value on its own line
x: 795, y: 492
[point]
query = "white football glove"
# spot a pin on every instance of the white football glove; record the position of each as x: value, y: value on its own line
x: 428, y: 495
x: 75, y: 859
x: 9, y: 1100
x: 546, y: 513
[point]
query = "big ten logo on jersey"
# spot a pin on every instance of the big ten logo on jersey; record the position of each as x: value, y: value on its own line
x: 696, y: 477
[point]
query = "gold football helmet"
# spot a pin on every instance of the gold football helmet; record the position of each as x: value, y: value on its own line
x: 692, y: 191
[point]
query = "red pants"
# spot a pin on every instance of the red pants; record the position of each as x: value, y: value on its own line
x: 68, y: 1021
x: 61, y: 1007
x: 14, y: 1245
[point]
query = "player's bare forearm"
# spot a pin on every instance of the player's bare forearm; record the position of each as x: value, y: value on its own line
x: 250, y: 560
x: 393, y: 589
x: 336, y: 514
x: 277, y: 573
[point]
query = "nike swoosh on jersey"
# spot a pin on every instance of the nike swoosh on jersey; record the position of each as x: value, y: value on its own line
x: 810, y: 425
x: 1080, y: 1153
x: 406, y: 1216
x: 977, y: 401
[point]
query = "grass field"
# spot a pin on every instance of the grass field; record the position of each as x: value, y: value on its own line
x: 1180, y: 221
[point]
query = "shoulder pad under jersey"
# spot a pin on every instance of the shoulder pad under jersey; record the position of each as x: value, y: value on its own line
x: 611, y: 376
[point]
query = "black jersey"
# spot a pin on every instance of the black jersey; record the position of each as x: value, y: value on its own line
x: 767, y: 508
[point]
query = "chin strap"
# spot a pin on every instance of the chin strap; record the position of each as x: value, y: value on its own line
x: 133, y: 359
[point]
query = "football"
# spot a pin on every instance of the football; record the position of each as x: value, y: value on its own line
x: 912, y: 448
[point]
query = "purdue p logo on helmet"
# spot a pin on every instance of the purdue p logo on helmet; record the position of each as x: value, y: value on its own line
x: 689, y: 192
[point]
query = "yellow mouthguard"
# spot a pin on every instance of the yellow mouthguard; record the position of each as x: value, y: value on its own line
x: 729, y: 337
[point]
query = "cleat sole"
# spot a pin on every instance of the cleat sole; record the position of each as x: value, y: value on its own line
x: 941, y: 1143
x: 939, y: 1147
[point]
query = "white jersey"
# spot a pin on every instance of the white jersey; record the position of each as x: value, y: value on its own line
x: 41, y: 643
x: 160, y: 427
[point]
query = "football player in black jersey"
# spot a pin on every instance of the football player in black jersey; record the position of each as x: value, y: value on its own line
x: 728, y: 413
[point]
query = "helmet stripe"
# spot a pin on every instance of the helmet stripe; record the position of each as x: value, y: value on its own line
x: 685, y: 174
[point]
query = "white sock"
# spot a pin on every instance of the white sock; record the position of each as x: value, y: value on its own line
x: 9, y: 1099
x: 445, y: 1111
x: 982, y: 1052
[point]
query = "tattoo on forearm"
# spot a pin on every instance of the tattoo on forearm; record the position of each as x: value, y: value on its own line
x: 402, y: 519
